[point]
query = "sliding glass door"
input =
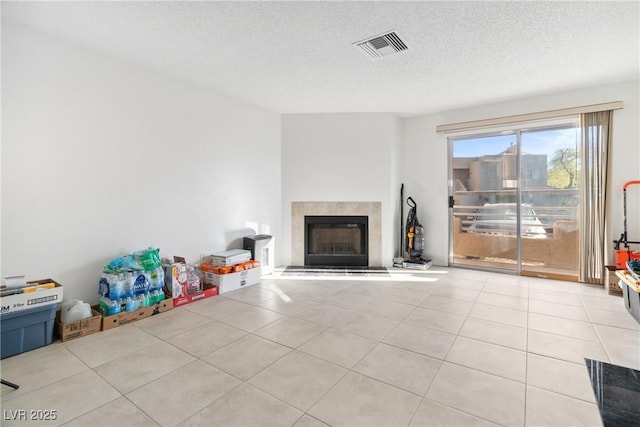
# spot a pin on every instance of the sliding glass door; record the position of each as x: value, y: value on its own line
x: 484, y: 217
x: 549, y: 188
x: 513, y: 201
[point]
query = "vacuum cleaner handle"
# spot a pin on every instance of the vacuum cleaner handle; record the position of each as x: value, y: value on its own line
x: 411, y: 202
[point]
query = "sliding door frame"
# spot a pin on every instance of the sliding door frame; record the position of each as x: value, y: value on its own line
x: 450, y: 142
x: 517, y: 131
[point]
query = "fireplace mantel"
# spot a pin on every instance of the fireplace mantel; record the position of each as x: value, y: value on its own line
x: 371, y: 209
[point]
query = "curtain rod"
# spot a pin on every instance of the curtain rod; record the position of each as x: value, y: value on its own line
x: 497, y: 121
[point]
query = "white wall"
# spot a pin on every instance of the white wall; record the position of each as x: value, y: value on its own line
x: 101, y: 158
x: 426, y: 156
x: 341, y: 158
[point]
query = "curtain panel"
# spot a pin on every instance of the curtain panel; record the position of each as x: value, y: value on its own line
x: 595, y: 132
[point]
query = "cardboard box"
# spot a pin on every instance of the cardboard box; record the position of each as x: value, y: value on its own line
x: 611, y: 281
x: 232, y: 281
x: 180, y: 284
x: 110, y: 322
x: 179, y: 279
x: 80, y: 328
x: 230, y: 257
x: 26, y: 300
x: 186, y: 299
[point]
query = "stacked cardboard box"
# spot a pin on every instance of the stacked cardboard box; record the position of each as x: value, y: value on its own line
x: 184, y: 284
x: 230, y: 270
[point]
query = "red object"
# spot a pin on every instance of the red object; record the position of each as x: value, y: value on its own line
x: 624, y: 255
x: 629, y: 183
x: 177, y: 302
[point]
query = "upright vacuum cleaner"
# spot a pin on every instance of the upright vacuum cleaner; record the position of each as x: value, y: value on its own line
x: 411, y: 243
x: 414, y: 240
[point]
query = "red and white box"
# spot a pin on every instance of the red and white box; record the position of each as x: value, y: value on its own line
x: 184, y: 284
x: 180, y: 279
x: 232, y: 281
x: 206, y: 293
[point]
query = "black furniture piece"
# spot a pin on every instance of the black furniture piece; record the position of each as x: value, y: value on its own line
x: 7, y: 383
x: 617, y: 391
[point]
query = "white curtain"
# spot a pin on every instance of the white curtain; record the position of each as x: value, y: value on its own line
x: 594, y: 160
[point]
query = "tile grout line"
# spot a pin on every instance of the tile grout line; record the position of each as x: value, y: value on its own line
x: 10, y: 394
x: 284, y: 355
x: 467, y: 367
x: 606, y: 351
x: 246, y: 382
x: 349, y: 370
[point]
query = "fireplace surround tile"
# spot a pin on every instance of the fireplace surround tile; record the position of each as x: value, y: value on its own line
x: 371, y: 209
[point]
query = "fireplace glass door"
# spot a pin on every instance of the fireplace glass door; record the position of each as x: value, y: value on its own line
x: 336, y: 241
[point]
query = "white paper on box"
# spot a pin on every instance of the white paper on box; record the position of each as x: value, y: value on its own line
x: 25, y: 301
x: 232, y: 281
x: 15, y: 282
x: 230, y: 257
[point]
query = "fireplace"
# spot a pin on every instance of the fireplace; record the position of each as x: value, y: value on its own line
x: 372, y: 210
x: 333, y: 240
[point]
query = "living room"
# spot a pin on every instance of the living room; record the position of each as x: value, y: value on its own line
x: 186, y: 126
x: 103, y: 155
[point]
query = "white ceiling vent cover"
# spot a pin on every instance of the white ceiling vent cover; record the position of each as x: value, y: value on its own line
x: 381, y: 46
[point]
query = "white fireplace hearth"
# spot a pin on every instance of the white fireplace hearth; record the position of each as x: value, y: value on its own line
x: 370, y: 209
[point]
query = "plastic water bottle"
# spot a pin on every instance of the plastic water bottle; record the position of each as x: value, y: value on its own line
x: 148, y: 300
x: 115, y: 307
x: 127, y: 284
x: 140, y: 284
x: 152, y: 297
x: 116, y: 288
x: 108, y: 307
x: 139, y: 299
x: 103, y: 307
x: 159, y: 295
x: 103, y: 285
x: 131, y: 304
x: 142, y: 300
x: 155, y: 278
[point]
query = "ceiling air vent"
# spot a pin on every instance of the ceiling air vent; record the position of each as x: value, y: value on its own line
x: 381, y: 46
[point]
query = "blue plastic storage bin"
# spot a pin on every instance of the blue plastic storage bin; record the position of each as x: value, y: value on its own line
x: 631, y: 300
x: 27, y: 329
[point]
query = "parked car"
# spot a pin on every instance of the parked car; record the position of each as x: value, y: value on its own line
x: 500, y: 219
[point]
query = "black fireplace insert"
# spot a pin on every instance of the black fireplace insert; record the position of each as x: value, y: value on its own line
x: 331, y: 240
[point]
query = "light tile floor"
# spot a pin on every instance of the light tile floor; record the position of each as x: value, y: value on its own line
x: 440, y: 347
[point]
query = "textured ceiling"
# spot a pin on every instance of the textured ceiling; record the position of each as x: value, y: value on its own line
x: 298, y: 57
